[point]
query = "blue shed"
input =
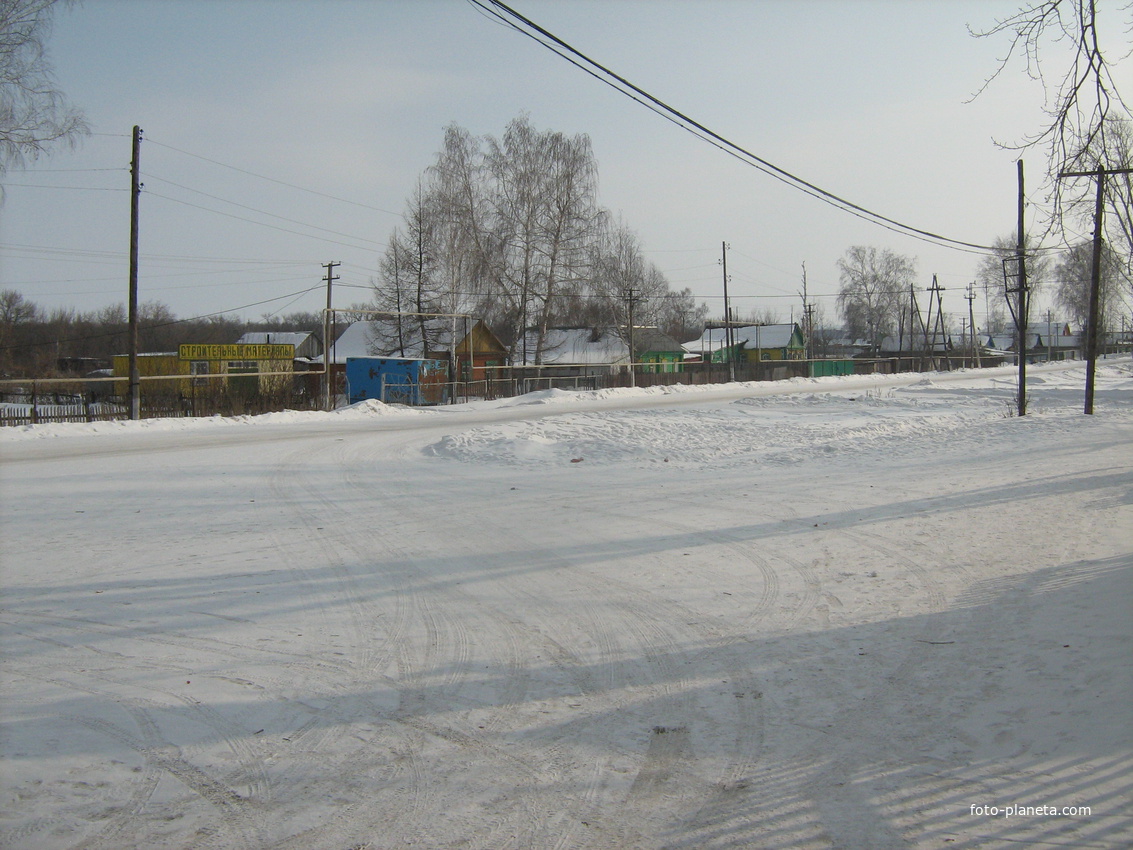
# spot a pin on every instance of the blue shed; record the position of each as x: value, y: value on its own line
x: 397, y: 380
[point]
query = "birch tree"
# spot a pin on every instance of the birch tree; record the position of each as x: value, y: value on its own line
x: 542, y: 202
x: 873, y: 291
x: 34, y: 113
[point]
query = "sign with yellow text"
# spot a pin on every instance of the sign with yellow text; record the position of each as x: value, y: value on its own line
x: 237, y: 351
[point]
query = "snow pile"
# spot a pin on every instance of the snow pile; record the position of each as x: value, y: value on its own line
x: 758, y: 428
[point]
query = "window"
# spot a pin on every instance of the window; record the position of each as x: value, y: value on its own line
x: 199, y: 367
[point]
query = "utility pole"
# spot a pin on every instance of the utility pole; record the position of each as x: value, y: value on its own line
x: 632, y: 296
x: 1019, y: 309
x: 1095, y: 275
x: 1049, y: 334
x: 1024, y: 306
x: 915, y: 321
x: 971, y: 296
x: 808, y: 349
x: 729, y: 337
x: 135, y: 192
x: 327, y: 374
x: 938, y: 325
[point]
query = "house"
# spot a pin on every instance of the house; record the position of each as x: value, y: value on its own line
x: 1044, y: 341
x: 655, y: 351
x: 477, y: 355
x: 574, y: 351
x: 751, y: 343
x: 480, y: 355
x: 915, y: 344
x: 245, y: 370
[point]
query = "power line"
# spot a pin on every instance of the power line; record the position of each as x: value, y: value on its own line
x: 271, y: 179
x: 148, y: 327
x: 261, y: 212
x: 620, y: 84
x: 67, y: 188
x: 263, y: 224
x: 117, y: 255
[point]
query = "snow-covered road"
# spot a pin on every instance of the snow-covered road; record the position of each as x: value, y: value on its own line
x: 836, y: 613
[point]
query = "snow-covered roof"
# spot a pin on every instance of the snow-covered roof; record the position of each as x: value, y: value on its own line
x: 653, y: 340
x: 1036, y: 338
x: 296, y: 338
x: 750, y: 336
x: 380, y: 338
x: 575, y: 346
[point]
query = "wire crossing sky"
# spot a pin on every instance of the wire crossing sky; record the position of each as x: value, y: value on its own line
x: 279, y: 136
x: 553, y: 43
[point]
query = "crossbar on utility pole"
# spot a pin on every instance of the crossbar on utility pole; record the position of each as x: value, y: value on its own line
x: 1099, y: 174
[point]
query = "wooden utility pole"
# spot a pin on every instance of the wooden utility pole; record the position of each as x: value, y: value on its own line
x: 808, y: 351
x: 729, y: 337
x: 135, y: 192
x: 631, y: 299
x: 327, y: 373
x: 971, y: 296
x: 938, y: 331
x: 1095, y: 276
x: 1021, y: 319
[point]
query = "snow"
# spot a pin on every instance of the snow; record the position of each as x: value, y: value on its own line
x: 816, y: 613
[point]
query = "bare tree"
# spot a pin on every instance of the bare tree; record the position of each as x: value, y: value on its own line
x: 411, y: 281
x: 764, y: 316
x: 1072, y: 277
x: 681, y: 317
x: 518, y: 239
x: 874, y: 284
x: 1082, y: 102
x: 33, y: 112
x: 1112, y: 150
x: 16, y: 312
x: 456, y: 184
x: 622, y: 281
x: 989, y: 276
x: 543, y: 215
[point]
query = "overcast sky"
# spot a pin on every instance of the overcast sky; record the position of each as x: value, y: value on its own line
x: 281, y: 135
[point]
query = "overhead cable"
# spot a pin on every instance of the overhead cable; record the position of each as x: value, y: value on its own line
x: 150, y: 141
x: 600, y: 72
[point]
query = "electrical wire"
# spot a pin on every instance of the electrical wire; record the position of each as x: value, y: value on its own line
x: 67, y: 188
x: 259, y: 223
x: 620, y: 84
x: 151, y: 176
x: 151, y: 141
x: 294, y: 295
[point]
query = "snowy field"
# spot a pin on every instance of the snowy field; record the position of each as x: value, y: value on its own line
x: 842, y: 613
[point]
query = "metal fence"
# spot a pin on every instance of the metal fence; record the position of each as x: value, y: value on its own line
x: 31, y: 402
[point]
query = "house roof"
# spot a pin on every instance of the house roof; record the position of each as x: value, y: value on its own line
x: 916, y: 342
x: 753, y: 337
x: 296, y: 338
x: 647, y: 340
x: 1037, y: 337
x: 575, y: 346
x: 379, y: 338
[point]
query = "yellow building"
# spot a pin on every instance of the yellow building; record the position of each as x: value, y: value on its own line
x: 237, y: 368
